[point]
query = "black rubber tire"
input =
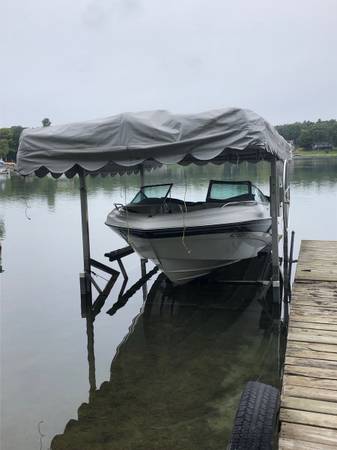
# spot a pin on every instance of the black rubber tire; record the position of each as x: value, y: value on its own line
x: 256, y: 418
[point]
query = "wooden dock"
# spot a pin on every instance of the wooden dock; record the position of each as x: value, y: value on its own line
x: 308, y: 412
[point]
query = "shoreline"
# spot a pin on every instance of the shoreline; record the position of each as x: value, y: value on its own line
x: 314, y: 155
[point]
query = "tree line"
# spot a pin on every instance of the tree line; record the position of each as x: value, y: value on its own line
x: 306, y: 134
x: 9, y: 140
x: 303, y: 134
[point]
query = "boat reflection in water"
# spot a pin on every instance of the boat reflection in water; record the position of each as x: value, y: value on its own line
x: 176, y: 379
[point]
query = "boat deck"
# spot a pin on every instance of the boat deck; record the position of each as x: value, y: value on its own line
x: 308, y: 412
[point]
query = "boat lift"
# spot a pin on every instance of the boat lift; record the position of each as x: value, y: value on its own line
x: 131, y: 143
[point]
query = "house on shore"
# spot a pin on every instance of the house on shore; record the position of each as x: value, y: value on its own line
x: 322, y: 146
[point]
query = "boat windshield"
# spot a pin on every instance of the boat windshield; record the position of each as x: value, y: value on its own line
x: 229, y: 191
x: 155, y: 191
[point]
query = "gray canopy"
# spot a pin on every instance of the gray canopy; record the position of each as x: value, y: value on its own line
x: 125, y: 142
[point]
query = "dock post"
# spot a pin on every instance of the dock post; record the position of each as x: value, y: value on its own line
x: 85, y: 280
x: 274, y: 204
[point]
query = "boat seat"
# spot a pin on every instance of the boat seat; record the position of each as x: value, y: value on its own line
x: 152, y: 206
x: 175, y: 205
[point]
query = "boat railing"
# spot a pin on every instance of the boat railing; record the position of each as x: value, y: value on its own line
x: 245, y: 202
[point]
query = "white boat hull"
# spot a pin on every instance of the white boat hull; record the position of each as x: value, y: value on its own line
x: 185, y: 258
x: 190, y: 245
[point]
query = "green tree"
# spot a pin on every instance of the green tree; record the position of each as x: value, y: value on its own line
x: 9, y: 142
x: 306, y: 139
x: 334, y: 134
x: 5, y: 137
x: 307, y: 133
x: 4, y: 149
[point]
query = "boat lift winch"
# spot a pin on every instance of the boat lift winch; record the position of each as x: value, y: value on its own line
x: 135, y: 142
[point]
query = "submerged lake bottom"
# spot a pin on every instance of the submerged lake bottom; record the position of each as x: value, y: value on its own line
x: 177, y: 376
x: 167, y: 370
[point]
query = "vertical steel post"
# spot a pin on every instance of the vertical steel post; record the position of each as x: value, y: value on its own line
x: 291, y: 262
x: 86, y: 302
x: 274, y: 205
x: 141, y: 172
x: 274, y: 209
x: 286, y: 283
x: 91, y: 356
x: 143, y: 262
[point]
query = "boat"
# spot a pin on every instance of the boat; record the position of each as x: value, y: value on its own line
x: 188, y: 239
x: 191, y: 240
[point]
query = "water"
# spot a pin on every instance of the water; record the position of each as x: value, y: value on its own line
x: 166, y: 375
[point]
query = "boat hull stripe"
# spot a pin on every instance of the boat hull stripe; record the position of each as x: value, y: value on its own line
x: 260, y: 225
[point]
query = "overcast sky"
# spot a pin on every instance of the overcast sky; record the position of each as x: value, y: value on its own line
x: 82, y: 59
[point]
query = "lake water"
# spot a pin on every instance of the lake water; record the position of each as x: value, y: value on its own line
x: 165, y: 374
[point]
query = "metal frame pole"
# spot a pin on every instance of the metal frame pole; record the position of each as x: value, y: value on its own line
x: 85, y: 277
x: 91, y: 356
x: 141, y: 172
x: 143, y: 262
x: 274, y: 205
x: 291, y: 262
x: 285, y: 205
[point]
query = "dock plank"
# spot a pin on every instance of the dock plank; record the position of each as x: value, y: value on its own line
x: 299, y: 352
x: 308, y: 412
x: 311, y: 332
x: 310, y: 382
x: 314, y: 372
x: 302, y: 335
x: 313, y: 346
x: 309, y: 433
x: 313, y: 326
x: 309, y: 393
x: 310, y: 314
x: 292, y: 444
x: 317, y: 261
x: 308, y: 418
x: 311, y: 362
x: 311, y: 405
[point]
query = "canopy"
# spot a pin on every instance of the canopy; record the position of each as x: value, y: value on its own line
x: 125, y: 142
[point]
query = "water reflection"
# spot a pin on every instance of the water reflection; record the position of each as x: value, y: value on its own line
x: 308, y: 171
x: 177, y: 376
x: 303, y: 172
x: 44, y: 368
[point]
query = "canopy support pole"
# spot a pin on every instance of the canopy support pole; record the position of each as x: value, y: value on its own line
x: 274, y: 205
x: 141, y: 172
x: 88, y: 308
x: 286, y: 281
x: 91, y: 356
x: 85, y: 278
x: 274, y: 209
